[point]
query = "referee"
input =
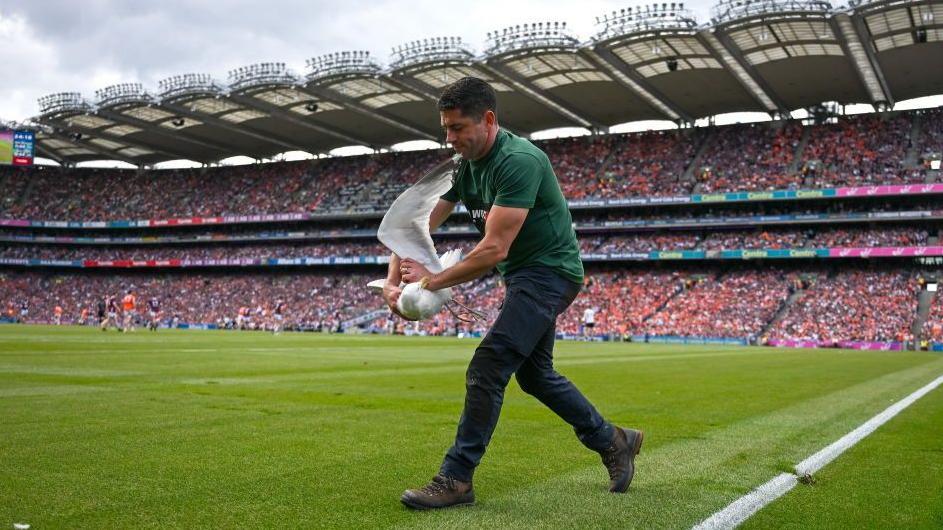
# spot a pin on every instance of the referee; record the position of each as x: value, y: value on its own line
x: 508, y: 186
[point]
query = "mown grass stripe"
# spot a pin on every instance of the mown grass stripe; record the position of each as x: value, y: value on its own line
x: 741, y: 509
x: 822, y: 458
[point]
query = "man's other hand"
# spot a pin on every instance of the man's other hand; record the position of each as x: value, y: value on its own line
x: 391, y: 296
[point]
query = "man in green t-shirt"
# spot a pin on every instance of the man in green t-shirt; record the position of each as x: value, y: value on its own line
x: 512, y: 194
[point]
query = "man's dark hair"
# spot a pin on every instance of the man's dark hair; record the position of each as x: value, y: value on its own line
x: 470, y: 95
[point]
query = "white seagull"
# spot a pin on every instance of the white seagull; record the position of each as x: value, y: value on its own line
x: 405, y: 231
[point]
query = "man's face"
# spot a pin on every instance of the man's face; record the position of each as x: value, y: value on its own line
x: 468, y: 136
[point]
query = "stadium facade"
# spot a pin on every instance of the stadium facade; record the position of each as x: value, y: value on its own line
x: 821, y: 232
x: 654, y: 62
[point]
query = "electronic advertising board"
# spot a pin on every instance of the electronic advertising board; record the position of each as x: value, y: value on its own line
x: 17, y: 147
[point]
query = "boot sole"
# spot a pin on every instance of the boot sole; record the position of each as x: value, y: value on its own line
x: 410, y: 503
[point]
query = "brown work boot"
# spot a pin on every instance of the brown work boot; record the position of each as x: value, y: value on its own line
x: 442, y: 492
x: 619, y: 458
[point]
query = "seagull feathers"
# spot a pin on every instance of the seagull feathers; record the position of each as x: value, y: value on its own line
x: 405, y: 230
x: 405, y: 227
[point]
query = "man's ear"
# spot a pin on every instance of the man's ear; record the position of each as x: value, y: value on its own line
x: 490, y: 118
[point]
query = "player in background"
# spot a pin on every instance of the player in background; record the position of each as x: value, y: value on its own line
x: 57, y: 315
x: 101, y: 306
x: 589, y: 322
x: 247, y: 319
x: 240, y: 317
x: 260, y: 317
x: 83, y: 319
x: 11, y: 312
x: 278, y: 316
x: 111, y: 313
x: 128, y: 305
x: 153, y: 309
x: 24, y: 311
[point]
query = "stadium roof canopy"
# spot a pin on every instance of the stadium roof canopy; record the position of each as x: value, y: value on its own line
x: 648, y: 62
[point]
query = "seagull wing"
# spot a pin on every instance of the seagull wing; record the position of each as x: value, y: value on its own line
x: 405, y: 227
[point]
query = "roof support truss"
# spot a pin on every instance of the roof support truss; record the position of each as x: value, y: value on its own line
x: 522, y: 84
x: 282, y: 114
x: 243, y: 129
x: 355, y: 106
x: 95, y: 133
x: 176, y: 135
x: 86, y: 144
x: 51, y: 154
x: 728, y: 55
x: 857, y: 45
x: 627, y: 77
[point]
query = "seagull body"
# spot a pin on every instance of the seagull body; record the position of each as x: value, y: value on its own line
x: 405, y: 231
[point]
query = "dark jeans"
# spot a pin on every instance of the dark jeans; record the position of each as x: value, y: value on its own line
x: 521, y: 342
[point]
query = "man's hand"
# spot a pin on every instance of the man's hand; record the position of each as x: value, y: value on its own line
x: 412, y: 271
x: 391, y: 294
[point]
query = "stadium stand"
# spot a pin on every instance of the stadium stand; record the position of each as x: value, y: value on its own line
x: 853, y: 305
x: 933, y: 326
x: 856, y: 150
x: 313, y: 299
x: 749, y: 304
x: 738, y: 304
x: 859, y: 150
x: 750, y: 157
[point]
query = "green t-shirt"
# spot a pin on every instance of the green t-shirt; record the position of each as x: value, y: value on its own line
x: 516, y: 173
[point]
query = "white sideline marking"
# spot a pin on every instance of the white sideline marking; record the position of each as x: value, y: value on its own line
x: 741, y: 509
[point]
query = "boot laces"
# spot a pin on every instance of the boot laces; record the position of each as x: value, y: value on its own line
x: 609, y: 458
x: 440, y: 484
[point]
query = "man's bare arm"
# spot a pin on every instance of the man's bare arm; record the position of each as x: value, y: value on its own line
x: 501, y: 228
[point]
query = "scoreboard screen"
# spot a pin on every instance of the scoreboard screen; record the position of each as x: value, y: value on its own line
x: 17, y: 147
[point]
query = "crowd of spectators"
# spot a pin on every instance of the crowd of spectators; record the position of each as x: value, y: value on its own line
x: 108, y: 194
x: 643, y: 164
x: 856, y: 150
x: 341, y: 184
x: 750, y: 157
x: 852, y: 304
x: 13, y: 181
x: 898, y: 236
x: 862, y: 150
x: 317, y: 301
x: 641, y: 242
x: 933, y: 326
x: 620, y: 300
x: 734, y: 210
x: 866, y: 305
x: 577, y: 161
x: 931, y: 138
x: 734, y: 305
x: 757, y: 238
x: 312, y: 299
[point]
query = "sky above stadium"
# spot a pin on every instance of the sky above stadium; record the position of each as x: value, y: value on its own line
x: 65, y: 45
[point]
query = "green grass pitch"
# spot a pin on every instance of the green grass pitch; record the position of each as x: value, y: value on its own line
x: 181, y: 429
x: 6, y: 152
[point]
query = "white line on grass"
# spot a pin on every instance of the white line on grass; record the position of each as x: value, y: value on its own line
x: 741, y: 509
